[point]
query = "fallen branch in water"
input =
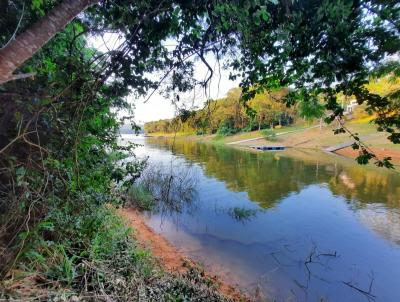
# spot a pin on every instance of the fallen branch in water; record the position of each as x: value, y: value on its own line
x: 311, y: 259
x: 368, y: 293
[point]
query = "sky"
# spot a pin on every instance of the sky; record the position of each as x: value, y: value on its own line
x: 157, y: 107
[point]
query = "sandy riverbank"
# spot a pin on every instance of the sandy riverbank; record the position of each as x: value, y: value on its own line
x: 169, y: 256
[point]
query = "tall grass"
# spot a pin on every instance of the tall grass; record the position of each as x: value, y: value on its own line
x: 140, y: 197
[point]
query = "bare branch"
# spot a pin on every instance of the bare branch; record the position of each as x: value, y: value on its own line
x: 22, y: 76
x: 16, y: 29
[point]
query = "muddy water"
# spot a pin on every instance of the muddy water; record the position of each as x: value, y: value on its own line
x: 292, y: 225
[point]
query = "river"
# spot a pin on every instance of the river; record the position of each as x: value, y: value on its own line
x: 294, y: 225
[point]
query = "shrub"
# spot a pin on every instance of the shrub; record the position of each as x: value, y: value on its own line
x: 248, y: 128
x: 225, y: 131
x: 269, y: 135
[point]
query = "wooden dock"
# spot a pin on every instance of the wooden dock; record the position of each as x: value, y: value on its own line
x: 270, y: 148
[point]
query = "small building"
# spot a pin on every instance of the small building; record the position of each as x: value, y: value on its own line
x: 349, y: 108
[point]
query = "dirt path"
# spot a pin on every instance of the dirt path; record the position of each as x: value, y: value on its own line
x: 168, y: 255
x: 379, y: 152
x: 277, y: 134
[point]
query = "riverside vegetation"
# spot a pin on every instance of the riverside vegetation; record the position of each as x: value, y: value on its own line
x: 61, y: 168
x: 266, y: 112
x: 60, y: 237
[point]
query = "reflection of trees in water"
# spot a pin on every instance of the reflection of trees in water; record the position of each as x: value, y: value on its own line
x: 268, y: 178
x: 384, y: 222
x: 367, y: 186
x: 240, y: 214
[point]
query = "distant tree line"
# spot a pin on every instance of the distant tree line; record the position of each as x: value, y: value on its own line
x: 230, y: 115
x: 266, y: 110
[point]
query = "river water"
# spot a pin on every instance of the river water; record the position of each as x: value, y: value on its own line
x: 293, y: 226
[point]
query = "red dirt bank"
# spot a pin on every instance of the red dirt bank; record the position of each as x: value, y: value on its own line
x: 168, y: 255
x: 379, y: 152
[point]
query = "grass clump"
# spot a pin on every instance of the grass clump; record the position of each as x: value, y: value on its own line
x: 140, y: 197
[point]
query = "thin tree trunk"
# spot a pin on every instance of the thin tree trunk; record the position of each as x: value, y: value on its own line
x: 29, y: 42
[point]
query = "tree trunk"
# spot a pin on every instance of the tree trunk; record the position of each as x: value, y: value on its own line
x: 29, y: 42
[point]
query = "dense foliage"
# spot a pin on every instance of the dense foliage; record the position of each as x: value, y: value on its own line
x: 58, y: 165
x: 61, y: 177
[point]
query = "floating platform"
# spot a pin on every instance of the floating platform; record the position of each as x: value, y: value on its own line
x: 270, y: 148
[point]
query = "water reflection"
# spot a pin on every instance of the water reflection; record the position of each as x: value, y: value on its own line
x: 296, y: 226
x: 268, y: 177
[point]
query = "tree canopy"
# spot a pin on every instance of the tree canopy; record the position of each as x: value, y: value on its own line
x: 318, y: 48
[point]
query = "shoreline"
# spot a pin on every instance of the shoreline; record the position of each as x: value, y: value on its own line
x: 169, y: 257
x: 311, y: 138
x: 175, y: 261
